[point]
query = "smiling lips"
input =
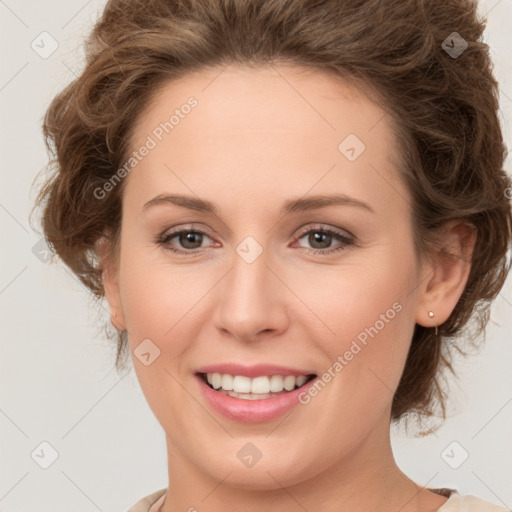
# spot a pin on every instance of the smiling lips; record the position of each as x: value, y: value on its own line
x: 241, y: 386
x: 252, y: 394
x: 261, y: 379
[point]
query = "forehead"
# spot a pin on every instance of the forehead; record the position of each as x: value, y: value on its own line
x: 271, y: 127
x: 241, y: 99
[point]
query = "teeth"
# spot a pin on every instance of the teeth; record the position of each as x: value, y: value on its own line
x: 276, y: 383
x: 241, y: 384
x: 289, y: 382
x: 227, y: 382
x: 301, y: 381
x: 259, y: 385
x: 215, y: 379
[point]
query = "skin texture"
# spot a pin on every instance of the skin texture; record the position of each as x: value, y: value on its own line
x: 259, y: 137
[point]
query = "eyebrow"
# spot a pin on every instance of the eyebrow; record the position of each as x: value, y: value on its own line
x: 290, y: 206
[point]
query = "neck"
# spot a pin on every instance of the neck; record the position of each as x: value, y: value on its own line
x: 365, y: 479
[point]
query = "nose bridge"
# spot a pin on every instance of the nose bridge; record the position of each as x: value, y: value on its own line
x: 250, y: 300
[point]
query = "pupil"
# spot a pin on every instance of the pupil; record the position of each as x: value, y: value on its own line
x: 316, y: 236
x: 187, y: 238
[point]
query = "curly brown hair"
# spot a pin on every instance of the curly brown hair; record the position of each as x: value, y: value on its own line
x: 444, y: 106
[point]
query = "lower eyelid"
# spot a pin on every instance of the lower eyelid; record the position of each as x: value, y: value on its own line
x: 344, y: 240
x: 167, y: 238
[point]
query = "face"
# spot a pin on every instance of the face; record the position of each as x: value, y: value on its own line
x: 292, y: 256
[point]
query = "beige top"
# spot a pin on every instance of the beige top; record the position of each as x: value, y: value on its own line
x: 455, y: 502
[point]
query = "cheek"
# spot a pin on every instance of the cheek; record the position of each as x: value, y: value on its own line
x: 367, y: 321
x: 158, y: 298
x: 158, y: 302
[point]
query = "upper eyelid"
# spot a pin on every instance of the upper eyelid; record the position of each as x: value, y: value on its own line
x: 301, y: 231
x: 343, y: 235
x: 317, y: 227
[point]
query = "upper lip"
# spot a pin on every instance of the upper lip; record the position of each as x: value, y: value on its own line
x: 252, y: 371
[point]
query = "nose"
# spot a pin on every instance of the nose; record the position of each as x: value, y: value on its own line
x: 252, y: 300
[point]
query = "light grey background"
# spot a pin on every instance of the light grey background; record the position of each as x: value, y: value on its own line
x: 57, y: 379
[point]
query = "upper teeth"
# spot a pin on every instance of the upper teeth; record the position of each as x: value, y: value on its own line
x: 243, y: 384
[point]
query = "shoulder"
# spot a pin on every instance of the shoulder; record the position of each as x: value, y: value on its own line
x: 144, y: 504
x: 469, y: 503
x: 455, y: 503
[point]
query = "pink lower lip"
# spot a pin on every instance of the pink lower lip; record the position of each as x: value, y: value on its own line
x: 251, y: 411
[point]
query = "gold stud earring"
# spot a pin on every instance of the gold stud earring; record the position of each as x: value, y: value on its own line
x: 431, y: 315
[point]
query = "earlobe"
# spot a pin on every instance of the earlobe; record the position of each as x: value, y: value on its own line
x: 115, y: 322
x: 447, y: 274
x: 111, y: 283
x: 111, y: 287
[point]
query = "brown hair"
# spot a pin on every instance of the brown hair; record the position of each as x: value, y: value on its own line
x: 444, y: 108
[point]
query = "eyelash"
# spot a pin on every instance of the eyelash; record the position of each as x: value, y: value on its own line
x: 164, y: 239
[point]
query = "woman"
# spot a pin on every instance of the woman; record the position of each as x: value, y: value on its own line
x: 293, y: 210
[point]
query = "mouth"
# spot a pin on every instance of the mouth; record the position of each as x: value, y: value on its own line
x: 256, y: 388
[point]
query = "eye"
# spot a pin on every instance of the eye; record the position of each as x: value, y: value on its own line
x: 190, y: 240
x: 321, y: 238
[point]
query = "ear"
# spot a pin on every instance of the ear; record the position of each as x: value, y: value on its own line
x: 446, y: 273
x: 107, y: 258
